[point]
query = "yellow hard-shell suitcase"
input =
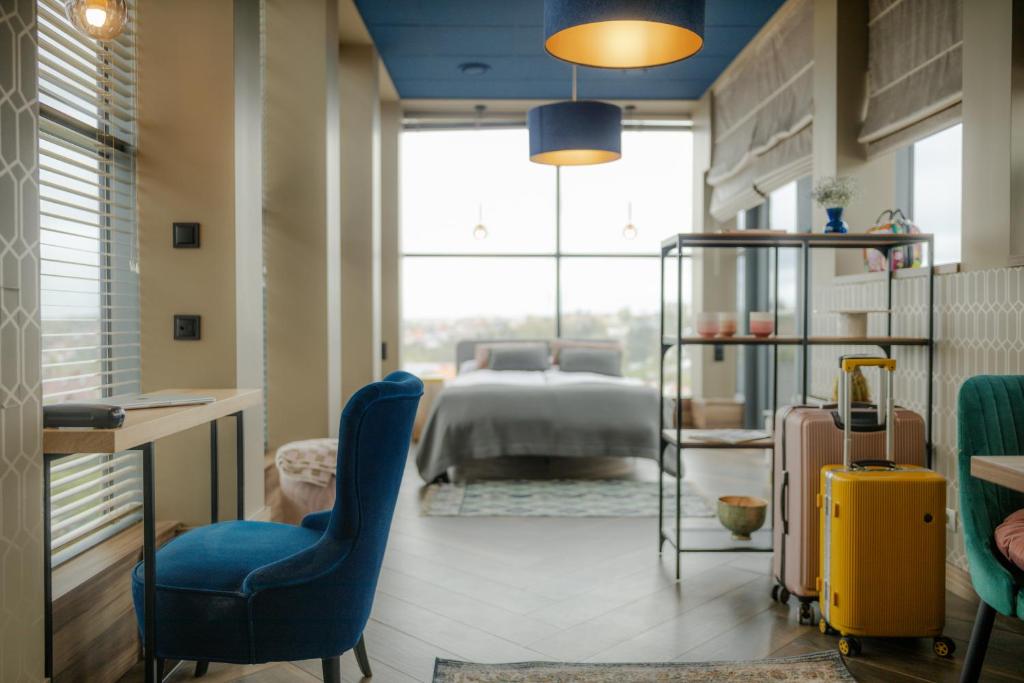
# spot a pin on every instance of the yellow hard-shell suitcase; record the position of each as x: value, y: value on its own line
x: 883, y: 540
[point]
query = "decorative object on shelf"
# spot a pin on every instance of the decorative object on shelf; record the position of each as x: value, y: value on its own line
x: 893, y: 222
x: 629, y: 232
x: 575, y: 133
x: 718, y: 413
x: 99, y: 19
x: 480, y: 230
x: 858, y: 387
x: 834, y: 193
x: 762, y: 324
x: 727, y: 324
x: 623, y: 34
x: 707, y: 324
x: 742, y: 515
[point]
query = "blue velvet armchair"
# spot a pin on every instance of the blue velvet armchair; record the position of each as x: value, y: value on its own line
x: 251, y: 592
x: 990, y: 421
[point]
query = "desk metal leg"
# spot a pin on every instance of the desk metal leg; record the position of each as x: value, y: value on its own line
x: 149, y: 559
x: 48, y: 459
x: 240, y: 463
x: 214, y: 486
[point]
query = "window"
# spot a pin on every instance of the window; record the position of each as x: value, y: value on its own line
x: 89, y: 280
x: 554, y: 256
x: 937, y: 190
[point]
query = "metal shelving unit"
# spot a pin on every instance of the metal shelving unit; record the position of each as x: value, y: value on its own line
x: 680, y: 439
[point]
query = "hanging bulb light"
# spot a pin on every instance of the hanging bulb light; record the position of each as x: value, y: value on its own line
x: 99, y: 19
x: 623, y: 34
x: 480, y: 230
x: 630, y: 232
x: 576, y: 133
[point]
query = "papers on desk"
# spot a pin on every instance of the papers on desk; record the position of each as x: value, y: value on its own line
x: 142, y: 401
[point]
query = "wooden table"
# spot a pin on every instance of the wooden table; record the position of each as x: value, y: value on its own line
x: 1004, y: 470
x: 140, y: 429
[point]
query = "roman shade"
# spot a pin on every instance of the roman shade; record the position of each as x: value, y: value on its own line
x: 915, y: 72
x: 762, y: 113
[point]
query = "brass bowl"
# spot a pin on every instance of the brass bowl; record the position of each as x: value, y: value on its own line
x: 742, y: 515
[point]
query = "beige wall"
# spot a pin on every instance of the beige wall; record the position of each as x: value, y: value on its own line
x: 390, y: 238
x: 360, y: 217
x: 300, y: 217
x: 186, y: 172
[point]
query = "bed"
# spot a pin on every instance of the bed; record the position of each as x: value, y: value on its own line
x: 491, y: 413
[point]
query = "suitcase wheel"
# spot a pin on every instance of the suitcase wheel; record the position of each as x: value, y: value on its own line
x: 825, y: 629
x: 944, y: 647
x: 775, y: 593
x: 780, y: 594
x: 806, y: 614
x: 849, y: 647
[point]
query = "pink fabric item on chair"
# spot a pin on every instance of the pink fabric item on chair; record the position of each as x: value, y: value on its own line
x: 1010, y: 538
x: 306, y: 473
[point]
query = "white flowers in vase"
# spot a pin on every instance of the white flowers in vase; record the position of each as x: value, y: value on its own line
x: 834, y: 192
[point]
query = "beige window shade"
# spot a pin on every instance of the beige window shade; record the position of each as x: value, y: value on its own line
x: 915, y: 77
x: 89, y: 287
x: 762, y: 113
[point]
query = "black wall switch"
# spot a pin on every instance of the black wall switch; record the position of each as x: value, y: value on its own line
x: 185, y: 235
x: 186, y: 327
x: 719, y: 353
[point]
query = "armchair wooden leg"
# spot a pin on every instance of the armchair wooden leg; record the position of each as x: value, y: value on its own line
x: 332, y: 669
x: 364, y: 661
x: 975, y: 657
x: 202, y: 668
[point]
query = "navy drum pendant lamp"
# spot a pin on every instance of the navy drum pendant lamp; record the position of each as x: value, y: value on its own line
x: 623, y: 34
x: 576, y: 133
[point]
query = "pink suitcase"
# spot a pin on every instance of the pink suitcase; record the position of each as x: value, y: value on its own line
x: 806, y: 438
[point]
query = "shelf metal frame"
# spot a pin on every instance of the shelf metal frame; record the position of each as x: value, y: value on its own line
x: 675, y: 246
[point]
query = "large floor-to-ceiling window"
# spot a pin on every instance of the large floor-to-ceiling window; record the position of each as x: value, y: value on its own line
x: 497, y: 247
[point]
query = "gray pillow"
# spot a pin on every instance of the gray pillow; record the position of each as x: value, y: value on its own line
x: 601, y: 361
x: 520, y: 357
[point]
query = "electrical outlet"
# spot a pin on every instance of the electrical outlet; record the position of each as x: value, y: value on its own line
x: 952, y: 522
x: 186, y: 327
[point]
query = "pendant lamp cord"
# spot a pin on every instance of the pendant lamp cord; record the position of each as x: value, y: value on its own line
x: 573, y: 82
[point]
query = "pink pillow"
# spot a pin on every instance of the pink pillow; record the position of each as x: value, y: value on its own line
x: 1010, y: 538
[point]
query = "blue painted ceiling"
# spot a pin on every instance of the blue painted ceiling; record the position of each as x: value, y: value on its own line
x: 423, y: 42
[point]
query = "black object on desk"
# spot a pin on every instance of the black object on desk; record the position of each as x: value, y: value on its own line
x: 87, y: 415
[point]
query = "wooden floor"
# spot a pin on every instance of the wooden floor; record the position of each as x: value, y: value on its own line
x: 517, y: 589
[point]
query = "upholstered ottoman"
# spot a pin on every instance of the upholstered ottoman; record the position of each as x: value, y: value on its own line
x: 306, y: 472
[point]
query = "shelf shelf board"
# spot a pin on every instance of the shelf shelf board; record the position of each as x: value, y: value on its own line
x: 792, y: 240
x: 691, y: 438
x: 741, y: 340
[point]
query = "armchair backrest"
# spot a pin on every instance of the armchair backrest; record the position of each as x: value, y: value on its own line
x: 373, y: 445
x: 990, y: 421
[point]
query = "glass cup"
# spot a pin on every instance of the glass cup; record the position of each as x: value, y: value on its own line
x: 762, y: 324
x: 727, y: 324
x: 707, y: 324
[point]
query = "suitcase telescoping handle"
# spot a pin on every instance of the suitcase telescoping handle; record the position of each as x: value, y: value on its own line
x: 887, y: 366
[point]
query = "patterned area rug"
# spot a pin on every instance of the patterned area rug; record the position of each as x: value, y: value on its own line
x: 558, y: 498
x: 820, y: 666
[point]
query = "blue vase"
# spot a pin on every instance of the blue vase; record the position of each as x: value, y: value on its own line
x: 835, y: 224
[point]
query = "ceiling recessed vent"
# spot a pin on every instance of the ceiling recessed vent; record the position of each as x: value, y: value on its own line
x: 474, y: 68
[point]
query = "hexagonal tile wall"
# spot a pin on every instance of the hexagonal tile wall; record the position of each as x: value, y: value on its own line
x: 979, y: 329
x: 21, y: 548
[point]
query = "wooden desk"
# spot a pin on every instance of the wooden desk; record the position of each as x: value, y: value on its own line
x: 140, y: 429
x: 1004, y: 470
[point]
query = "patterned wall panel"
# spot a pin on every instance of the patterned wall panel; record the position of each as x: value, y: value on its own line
x: 979, y: 328
x: 21, y: 562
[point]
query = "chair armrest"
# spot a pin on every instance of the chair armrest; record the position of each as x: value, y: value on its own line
x: 317, y: 521
x: 302, y: 567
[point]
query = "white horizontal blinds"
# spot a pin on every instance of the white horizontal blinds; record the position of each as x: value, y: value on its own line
x: 762, y: 113
x: 88, y: 271
x: 915, y: 70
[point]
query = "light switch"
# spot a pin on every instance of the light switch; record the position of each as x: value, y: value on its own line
x: 186, y: 327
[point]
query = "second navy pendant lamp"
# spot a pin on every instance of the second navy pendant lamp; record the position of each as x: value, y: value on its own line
x: 623, y: 34
x: 576, y: 133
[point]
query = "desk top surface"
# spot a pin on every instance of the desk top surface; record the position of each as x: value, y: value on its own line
x: 149, y: 424
x: 1005, y: 470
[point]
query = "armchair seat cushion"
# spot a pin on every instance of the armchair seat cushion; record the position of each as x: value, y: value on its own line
x: 218, y: 557
x: 1010, y: 539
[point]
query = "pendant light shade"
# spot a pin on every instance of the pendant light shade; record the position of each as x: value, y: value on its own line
x: 99, y: 19
x: 575, y: 133
x: 623, y: 34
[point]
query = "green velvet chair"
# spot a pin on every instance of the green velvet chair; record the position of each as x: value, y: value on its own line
x: 990, y: 421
